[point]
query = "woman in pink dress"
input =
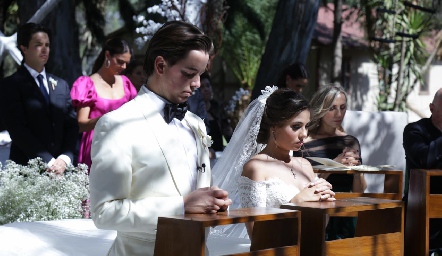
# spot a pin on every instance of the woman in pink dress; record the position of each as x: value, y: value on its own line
x: 103, y: 91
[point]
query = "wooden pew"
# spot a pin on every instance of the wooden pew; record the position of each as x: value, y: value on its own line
x: 379, y: 228
x: 393, y: 184
x: 393, y: 187
x: 275, y: 232
x: 421, y: 207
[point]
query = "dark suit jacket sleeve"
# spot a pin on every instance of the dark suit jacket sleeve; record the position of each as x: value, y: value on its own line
x: 70, y: 126
x: 419, y: 149
x: 15, y: 122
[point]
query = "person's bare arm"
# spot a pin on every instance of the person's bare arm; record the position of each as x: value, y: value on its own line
x: 84, y: 122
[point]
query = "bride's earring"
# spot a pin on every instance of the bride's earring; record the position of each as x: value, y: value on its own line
x: 274, y: 138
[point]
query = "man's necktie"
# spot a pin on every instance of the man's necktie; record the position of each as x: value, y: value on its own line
x: 43, y: 89
x: 175, y: 111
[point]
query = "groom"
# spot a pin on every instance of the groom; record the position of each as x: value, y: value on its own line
x: 36, y: 107
x: 150, y: 157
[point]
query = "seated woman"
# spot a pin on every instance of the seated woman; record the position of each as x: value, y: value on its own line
x: 328, y: 139
x: 256, y: 165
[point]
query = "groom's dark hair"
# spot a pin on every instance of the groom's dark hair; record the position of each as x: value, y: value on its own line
x: 173, y: 41
x: 282, y: 105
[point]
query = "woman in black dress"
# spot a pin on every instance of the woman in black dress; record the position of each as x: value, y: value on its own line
x: 327, y: 139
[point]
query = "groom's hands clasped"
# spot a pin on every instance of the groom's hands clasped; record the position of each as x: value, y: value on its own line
x: 207, y: 200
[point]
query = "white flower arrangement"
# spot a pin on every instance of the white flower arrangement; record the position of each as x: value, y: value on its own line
x: 53, y: 82
x: 237, y: 97
x: 29, y: 193
x: 205, y: 138
x: 237, y: 105
x: 188, y: 11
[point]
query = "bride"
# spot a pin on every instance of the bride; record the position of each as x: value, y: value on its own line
x: 257, y: 168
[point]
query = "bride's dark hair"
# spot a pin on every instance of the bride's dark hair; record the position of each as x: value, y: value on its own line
x: 282, y: 105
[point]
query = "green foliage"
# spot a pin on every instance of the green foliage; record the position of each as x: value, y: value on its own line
x: 243, y: 44
x: 400, y: 63
x: 10, y: 21
x: 242, y: 49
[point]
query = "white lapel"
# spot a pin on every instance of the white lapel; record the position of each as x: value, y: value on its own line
x: 174, y: 156
x: 204, y: 178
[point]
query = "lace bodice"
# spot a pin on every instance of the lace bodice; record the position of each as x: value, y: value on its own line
x: 269, y: 193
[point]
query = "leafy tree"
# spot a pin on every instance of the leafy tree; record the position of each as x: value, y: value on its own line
x: 350, y: 7
x: 64, y: 60
x: 399, y: 50
x: 198, y: 12
x: 8, y: 16
x: 401, y: 61
x: 245, y: 36
x: 289, y: 40
x: 66, y: 21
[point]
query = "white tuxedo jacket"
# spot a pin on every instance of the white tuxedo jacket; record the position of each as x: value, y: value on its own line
x: 136, y: 173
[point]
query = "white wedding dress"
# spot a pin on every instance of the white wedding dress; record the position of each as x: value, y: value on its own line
x: 269, y: 193
x: 243, y: 191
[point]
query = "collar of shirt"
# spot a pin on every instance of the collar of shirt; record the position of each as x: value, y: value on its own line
x: 183, y: 132
x: 34, y: 74
x: 158, y: 101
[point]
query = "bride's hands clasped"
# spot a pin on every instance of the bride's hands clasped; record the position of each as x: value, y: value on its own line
x: 317, y: 190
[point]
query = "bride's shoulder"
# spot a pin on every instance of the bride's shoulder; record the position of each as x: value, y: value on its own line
x: 305, y: 166
x: 253, y: 169
x: 302, y: 160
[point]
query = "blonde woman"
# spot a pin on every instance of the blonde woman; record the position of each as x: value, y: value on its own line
x: 328, y: 139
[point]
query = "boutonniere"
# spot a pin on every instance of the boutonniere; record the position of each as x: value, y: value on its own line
x: 53, y: 82
x: 205, y: 138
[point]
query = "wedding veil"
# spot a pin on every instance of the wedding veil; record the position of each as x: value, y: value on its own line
x: 241, y: 148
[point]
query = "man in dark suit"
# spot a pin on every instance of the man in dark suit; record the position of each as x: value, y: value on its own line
x: 36, y: 106
x: 423, y: 150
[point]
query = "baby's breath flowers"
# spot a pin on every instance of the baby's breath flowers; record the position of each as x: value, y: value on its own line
x: 29, y: 193
x: 237, y: 105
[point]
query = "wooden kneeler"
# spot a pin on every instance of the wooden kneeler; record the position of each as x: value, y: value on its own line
x: 275, y: 232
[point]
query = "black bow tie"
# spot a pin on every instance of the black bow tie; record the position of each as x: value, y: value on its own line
x: 177, y: 111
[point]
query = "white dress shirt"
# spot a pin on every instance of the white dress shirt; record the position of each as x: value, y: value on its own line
x: 34, y: 74
x: 183, y: 132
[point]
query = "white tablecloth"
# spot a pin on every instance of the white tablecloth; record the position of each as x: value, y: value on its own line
x: 80, y: 237
x: 54, y: 238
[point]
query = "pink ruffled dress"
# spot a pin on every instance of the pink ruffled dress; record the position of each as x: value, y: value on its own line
x: 83, y: 94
